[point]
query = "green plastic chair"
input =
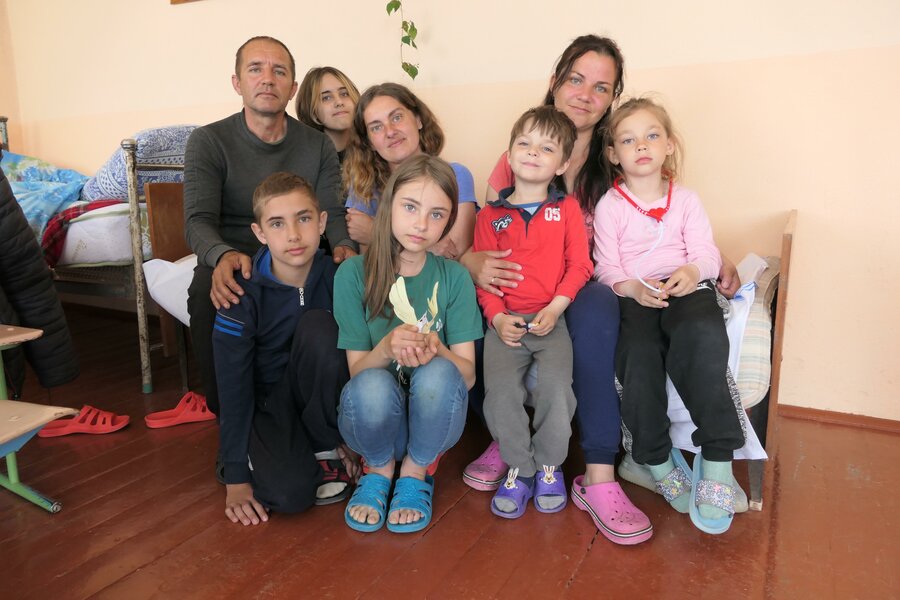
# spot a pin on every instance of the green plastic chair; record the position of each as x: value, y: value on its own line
x: 20, y: 421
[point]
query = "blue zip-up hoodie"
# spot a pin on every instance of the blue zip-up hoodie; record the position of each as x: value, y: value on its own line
x: 252, y: 345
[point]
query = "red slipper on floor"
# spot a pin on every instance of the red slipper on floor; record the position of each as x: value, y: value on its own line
x: 190, y: 409
x: 88, y: 420
x: 432, y: 468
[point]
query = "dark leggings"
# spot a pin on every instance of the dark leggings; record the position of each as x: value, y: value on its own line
x: 687, y: 340
x: 298, y: 417
x: 593, y: 323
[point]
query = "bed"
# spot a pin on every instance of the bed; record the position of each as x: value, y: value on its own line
x: 96, y: 242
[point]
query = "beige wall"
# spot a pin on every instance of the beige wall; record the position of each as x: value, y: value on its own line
x: 780, y: 107
x: 9, y: 97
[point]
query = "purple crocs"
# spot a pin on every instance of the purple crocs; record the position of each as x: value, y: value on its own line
x: 549, y: 484
x: 514, y: 491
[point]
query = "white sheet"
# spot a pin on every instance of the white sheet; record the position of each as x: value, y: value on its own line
x: 168, y: 284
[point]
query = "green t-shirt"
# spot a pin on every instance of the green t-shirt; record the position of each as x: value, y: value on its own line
x: 458, y: 319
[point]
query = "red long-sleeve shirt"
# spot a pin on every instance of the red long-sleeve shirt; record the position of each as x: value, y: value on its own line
x: 550, y: 245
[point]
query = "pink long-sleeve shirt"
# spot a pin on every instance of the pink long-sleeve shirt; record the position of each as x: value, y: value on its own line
x: 622, y: 235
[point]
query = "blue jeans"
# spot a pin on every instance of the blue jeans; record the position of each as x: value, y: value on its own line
x: 379, y: 421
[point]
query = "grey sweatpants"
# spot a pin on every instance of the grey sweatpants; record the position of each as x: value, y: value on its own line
x: 505, y: 397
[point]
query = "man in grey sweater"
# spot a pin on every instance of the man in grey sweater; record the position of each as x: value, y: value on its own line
x: 224, y: 162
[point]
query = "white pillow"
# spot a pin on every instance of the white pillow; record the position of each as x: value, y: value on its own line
x: 168, y: 284
x: 102, y: 237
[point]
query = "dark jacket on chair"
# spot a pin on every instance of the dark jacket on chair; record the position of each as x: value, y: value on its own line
x: 28, y: 298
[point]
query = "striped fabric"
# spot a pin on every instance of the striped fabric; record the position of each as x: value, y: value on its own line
x: 227, y: 325
x: 755, y: 368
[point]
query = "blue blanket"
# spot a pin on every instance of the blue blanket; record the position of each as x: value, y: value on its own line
x: 41, y: 189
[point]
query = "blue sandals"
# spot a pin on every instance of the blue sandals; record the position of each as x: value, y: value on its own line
x: 412, y: 494
x: 409, y: 493
x: 372, y: 491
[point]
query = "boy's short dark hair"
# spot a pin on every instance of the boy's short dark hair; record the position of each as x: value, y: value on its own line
x: 279, y: 184
x: 548, y: 121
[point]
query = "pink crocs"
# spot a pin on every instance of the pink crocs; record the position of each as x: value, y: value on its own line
x: 613, y: 513
x: 487, y: 471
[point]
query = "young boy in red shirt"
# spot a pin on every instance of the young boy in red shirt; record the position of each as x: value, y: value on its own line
x: 545, y: 230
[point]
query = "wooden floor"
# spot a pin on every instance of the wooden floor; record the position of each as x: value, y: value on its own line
x: 143, y: 517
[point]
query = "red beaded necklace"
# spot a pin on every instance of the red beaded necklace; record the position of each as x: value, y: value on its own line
x: 654, y: 213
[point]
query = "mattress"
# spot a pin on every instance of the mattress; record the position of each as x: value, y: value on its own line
x: 102, y: 237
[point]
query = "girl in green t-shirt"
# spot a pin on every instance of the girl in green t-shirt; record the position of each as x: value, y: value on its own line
x: 408, y: 320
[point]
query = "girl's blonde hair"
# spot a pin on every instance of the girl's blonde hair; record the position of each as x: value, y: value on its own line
x: 671, y: 168
x: 365, y: 171
x: 310, y: 94
x: 382, y: 259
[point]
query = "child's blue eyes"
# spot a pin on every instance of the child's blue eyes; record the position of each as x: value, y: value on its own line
x: 652, y: 137
x: 411, y: 208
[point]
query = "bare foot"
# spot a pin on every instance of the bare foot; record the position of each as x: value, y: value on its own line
x: 406, y: 515
x: 597, y: 473
x: 368, y: 514
x: 363, y: 514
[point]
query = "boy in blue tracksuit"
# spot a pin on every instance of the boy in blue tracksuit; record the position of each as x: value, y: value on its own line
x: 278, y: 369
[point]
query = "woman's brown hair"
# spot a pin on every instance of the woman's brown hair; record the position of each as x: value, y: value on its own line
x: 365, y: 171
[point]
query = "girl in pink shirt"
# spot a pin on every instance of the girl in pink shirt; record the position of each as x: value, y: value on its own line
x: 653, y: 246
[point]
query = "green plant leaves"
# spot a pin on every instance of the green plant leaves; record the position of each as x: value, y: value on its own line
x: 411, y: 69
x: 407, y: 38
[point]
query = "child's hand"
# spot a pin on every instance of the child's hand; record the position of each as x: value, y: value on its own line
x: 240, y: 505
x: 509, y: 328
x: 359, y: 226
x: 544, y: 322
x: 642, y: 294
x: 405, y: 345
x: 351, y: 462
x: 683, y: 281
x: 729, y: 281
x: 416, y: 357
